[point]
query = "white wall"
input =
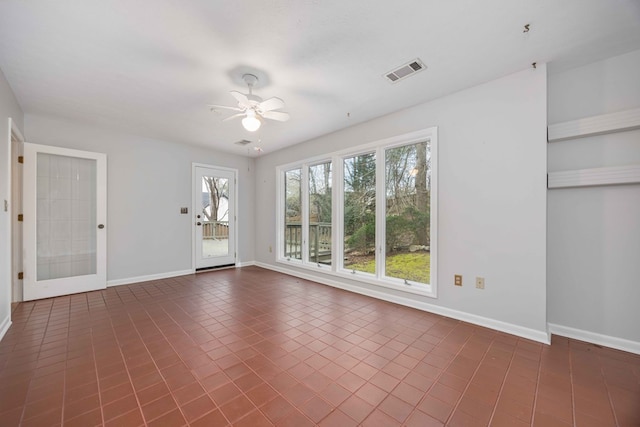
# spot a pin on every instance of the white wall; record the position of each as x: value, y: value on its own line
x: 594, y: 233
x: 492, y: 199
x: 148, y: 181
x: 9, y: 108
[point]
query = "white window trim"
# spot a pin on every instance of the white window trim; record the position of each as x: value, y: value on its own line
x: 337, y: 262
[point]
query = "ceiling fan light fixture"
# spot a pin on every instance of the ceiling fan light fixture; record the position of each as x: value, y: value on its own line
x: 251, y: 123
x: 252, y: 108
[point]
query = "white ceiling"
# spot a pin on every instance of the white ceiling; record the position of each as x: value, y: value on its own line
x: 149, y: 67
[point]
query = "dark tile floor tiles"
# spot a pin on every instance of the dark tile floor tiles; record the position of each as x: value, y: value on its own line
x: 251, y: 347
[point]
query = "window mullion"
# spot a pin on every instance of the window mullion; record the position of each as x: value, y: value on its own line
x: 304, y: 221
x: 280, y: 203
x: 337, y: 214
x: 380, y: 213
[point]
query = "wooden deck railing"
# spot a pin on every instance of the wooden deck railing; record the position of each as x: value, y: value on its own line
x: 215, y: 230
x: 319, y: 241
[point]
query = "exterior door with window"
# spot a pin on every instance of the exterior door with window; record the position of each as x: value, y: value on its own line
x: 65, y: 210
x: 214, y: 210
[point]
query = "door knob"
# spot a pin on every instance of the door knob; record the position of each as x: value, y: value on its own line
x: 100, y: 226
x: 198, y: 223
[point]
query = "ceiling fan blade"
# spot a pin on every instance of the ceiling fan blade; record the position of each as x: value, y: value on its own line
x: 242, y: 99
x: 235, y: 116
x: 276, y: 115
x: 224, y: 107
x: 271, y: 104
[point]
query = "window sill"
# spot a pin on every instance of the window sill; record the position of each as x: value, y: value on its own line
x: 416, y: 289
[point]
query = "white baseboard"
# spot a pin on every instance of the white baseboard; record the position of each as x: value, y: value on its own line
x: 4, y: 325
x: 595, y: 338
x: 245, y: 264
x: 138, y: 279
x: 532, y: 334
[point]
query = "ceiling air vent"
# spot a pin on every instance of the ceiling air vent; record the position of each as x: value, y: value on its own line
x: 404, y: 71
x: 242, y: 142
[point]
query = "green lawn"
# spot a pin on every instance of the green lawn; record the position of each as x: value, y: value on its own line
x: 414, y: 266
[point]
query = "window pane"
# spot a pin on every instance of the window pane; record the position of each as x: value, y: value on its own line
x: 320, y: 213
x: 408, y: 204
x: 360, y: 213
x: 293, y: 214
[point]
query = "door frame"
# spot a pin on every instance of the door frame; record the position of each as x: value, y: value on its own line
x: 195, y: 165
x: 14, y: 196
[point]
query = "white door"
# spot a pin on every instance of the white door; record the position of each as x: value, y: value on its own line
x: 214, y: 212
x: 65, y: 208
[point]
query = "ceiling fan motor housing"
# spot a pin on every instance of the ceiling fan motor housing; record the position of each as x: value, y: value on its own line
x: 250, y: 79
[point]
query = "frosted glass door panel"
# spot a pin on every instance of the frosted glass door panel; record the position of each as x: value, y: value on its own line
x: 66, y: 220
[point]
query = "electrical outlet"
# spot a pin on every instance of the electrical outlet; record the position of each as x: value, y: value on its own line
x: 457, y: 279
x: 270, y: 249
x: 480, y: 282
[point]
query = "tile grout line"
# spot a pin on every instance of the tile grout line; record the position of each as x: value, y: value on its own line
x: 123, y: 303
x: 66, y: 362
x: 24, y: 406
x: 504, y: 380
x: 468, y: 384
x: 606, y: 385
x: 535, y: 399
x: 435, y: 381
x: 154, y: 360
x: 95, y: 362
x: 37, y: 359
x: 217, y: 407
x: 573, y: 391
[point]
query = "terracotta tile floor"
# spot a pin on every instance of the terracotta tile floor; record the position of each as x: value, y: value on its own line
x: 251, y: 347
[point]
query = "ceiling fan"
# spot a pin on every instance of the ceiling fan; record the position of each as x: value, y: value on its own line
x: 253, y: 108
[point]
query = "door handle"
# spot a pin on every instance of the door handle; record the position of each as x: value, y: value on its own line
x: 100, y: 226
x: 198, y: 223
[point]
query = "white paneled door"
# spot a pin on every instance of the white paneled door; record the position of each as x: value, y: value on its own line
x: 214, y: 210
x: 64, y: 213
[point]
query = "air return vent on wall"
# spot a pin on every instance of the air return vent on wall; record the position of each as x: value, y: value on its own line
x: 404, y: 71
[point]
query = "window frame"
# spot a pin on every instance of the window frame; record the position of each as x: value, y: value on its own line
x: 337, y: 158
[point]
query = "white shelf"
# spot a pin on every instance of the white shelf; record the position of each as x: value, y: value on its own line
x: 596, y: 125
x: 594, y: 177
